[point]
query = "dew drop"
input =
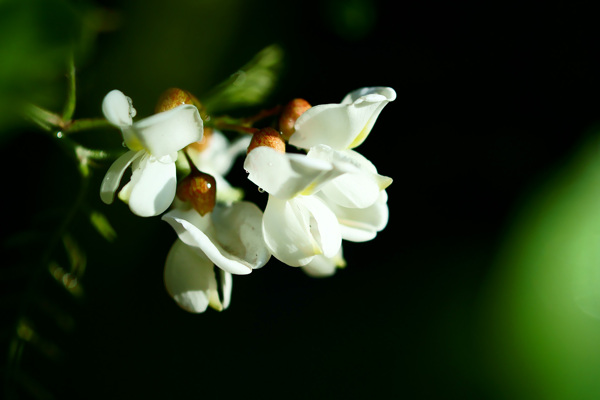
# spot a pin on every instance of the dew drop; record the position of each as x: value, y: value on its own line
x: 123, y: 144
x: 59, y: 135
x: 261, y: 190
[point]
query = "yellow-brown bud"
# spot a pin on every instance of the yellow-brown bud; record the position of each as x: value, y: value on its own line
x: 200, y: 190
x: 267, y: 137
x: 202, y: 144
x: 172, y: 98
x: 290, y: 114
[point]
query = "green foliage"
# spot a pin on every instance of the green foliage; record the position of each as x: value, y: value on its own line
x: 34, y: 52
x: 250, y: 85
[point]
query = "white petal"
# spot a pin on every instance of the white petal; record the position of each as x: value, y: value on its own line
x: 118, y: 108
x: 286, y: 175
x: 361, y: 224
x: 298, y: 229
x: 152, y: 187
x: 238, y: 228
x: 383, y: 93
x: 218, y: 157
x: 113, y: 176
x: 167, y: 132
x: 360, y: 186
x: 205, y: 238
x: 323, y: 225
x: 226, y: 285
x: 341, y: 126
x: 190, y: 278
x: 321, y: 266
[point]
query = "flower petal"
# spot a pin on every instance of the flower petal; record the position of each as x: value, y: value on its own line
x: 342, y: 126
x: 190, y: 279
x: 218, y: 157
x: 226, y: 283
x: 200, y: 232
x: 118, y: 109
x: 360, y: 186
x: 296, y: 230
x: 152, y: 187
x: 169, y: 131
x: 113, y: 176
x: 238, y: 228
x: 286, y: 175
x: 387, y: 93
x: 321, y: 266
x: 361, y: 224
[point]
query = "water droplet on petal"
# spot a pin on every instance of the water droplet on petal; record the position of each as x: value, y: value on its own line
x: 261, y: 190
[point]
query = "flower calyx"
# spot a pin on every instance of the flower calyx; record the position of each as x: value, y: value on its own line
x: 290, y: 114
x: 200, y: 189
x: 268, y: 137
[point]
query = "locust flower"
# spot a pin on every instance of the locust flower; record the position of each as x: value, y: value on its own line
x: 153, y: 143
x: 229, y: 237
x: 297, y: 225
x: 330, y: 132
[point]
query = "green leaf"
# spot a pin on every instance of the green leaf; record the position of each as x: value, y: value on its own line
x: 248, y: 86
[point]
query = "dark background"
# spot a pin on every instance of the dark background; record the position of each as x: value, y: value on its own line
x: 492, y: 98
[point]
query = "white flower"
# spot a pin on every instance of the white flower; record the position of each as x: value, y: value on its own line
x: 153, y: 143
x: 217, y: 159
x: 229, y: 237
x: 297, y: 225
x: 329, y: 132
x: 345, y: 125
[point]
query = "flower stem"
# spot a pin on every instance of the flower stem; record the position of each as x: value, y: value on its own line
x: 69, y: 108
x: 45, y: 119
x: 85, y: 124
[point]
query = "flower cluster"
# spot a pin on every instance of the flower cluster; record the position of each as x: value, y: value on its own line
x: 321, y: 193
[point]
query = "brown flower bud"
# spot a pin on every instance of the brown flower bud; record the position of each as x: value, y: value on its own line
x: 267, y: 137
x: 172, y: 98
x: 203, y: 143
x: 200, y: 190
x: 290, y: 114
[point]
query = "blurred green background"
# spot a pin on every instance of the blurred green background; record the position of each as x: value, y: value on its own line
x: 484, y: 285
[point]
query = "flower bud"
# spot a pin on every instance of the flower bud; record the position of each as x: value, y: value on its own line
x: 172, y: 98
x: 267, y: 137
x: 202, y: 144
x: 289, y: 115
x: 200, y: 190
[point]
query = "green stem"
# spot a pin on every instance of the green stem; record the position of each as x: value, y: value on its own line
x: 45, y: 119
x: 69, y: 108
x: 85, y: 124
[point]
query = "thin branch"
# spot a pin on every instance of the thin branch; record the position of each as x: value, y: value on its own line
x: 69, y: 108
